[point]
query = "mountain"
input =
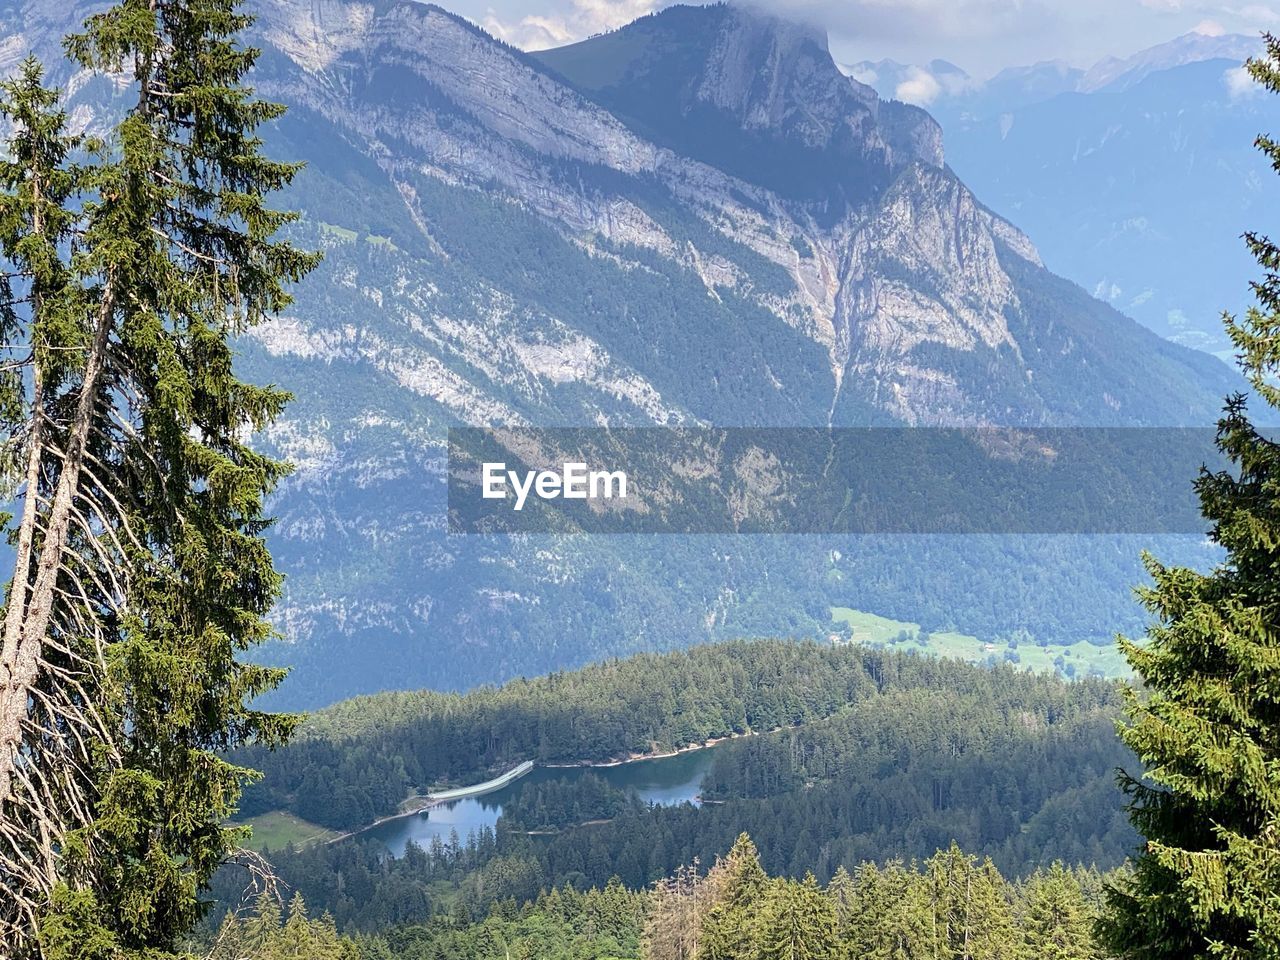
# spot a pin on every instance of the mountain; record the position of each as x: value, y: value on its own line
x: 696, y: 219
x: 1135, y: 178
x: 691, y: 80
x: 1120, y: 73
x: 1016, y: 87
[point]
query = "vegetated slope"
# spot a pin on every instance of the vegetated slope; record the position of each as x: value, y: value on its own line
x: 950, y: 903
x: 359, y: 759
x: 893, y: 756
x: 522, y: 253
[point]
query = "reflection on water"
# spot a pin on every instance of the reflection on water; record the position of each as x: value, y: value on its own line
x: 665, y: 780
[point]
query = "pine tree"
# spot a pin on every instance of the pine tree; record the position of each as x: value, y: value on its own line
x: 141, y: 572
x: 39, y: 797
x: 891, y: 916
x: 972, y: 917
x: 797, y: 923
x: 1056, y: 924
x: 677, y: 909
x: 843, y: 893
x: 1207, y: 726
x: 738, y: 885
x: 262, y: 936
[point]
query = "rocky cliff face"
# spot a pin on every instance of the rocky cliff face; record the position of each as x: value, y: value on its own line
x: 1089, y: 162
x: 869, y: 249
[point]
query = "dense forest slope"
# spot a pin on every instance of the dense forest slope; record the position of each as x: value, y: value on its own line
x: 950, y: 907
x: 880, y: 756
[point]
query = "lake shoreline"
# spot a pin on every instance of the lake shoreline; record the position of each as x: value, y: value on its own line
x: 665, y: 755
x: 430, y: 802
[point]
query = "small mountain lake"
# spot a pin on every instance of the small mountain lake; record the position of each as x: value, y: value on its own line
x: 667, y: 781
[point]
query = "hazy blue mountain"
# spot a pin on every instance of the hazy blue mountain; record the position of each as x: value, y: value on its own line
x: 1134, y: 178
x: 694, y: 219
x: 1120, y: 73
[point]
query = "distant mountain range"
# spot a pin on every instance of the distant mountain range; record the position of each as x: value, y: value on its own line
x: 1135, y: 178
x: 694, y: 219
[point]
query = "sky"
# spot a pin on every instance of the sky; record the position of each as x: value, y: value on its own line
x: 981, y: 36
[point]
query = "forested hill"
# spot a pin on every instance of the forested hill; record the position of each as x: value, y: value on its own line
x: 359, y: 759
x: 881, y: 755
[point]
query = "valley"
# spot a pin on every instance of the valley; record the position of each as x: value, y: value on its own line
x: 672, y: 286
x: 880, y: 754
x: 270, y: 691
x: 1073, y: 660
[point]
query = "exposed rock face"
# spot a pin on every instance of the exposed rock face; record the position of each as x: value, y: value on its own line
x: 884, y: 252
x: 774, y: 76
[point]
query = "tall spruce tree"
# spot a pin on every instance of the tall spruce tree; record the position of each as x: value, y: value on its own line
x: 1207, y: 727
x: 730, y: 928
x: 972, y: 918
x: 890, y: 915
x: 1056, y: 924
x: 141, y: 574
x: 798, y: 922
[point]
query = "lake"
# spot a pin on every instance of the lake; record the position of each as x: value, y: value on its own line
x: 663, y: 780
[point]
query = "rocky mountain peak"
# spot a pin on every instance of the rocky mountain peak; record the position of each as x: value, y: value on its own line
x: 774, y: 74
x: 755, y: 95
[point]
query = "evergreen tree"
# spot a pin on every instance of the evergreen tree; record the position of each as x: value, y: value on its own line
x: 738, y: 882
x: 890, y: 916
x: 44, y: 778
x: 1056, y: 924
x: 1207, y: 726
x: 141, y: 572
x: 843, y: 891
x: 262, y: 936
x: 797, y: 923
x: 676, y: 913
x: 972, y: 918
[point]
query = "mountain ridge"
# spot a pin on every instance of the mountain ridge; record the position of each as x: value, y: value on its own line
x: 501, y: 248
x: 1021, y: 85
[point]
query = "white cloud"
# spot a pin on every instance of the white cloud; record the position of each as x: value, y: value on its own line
x: 981, y: 35
x: 920, y: 88
x: 583, y: 19
x: 863, y: 74
x: 1239, y: 84
x: 1209, y: 28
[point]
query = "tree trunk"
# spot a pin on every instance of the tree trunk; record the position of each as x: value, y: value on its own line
x: 27, y: 623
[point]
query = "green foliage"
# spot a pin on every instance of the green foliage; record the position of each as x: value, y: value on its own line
x: 1205, y: 728
x: 951, y: 907
x: 359, y: 759
x: 797, y: 923
x: 731, y: 925
x: 143, y: 265
x: 891, y: 755
x: 556, y: 804
x: 563, y: 924
x: 265, y: 935
x: 1056, y: 918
